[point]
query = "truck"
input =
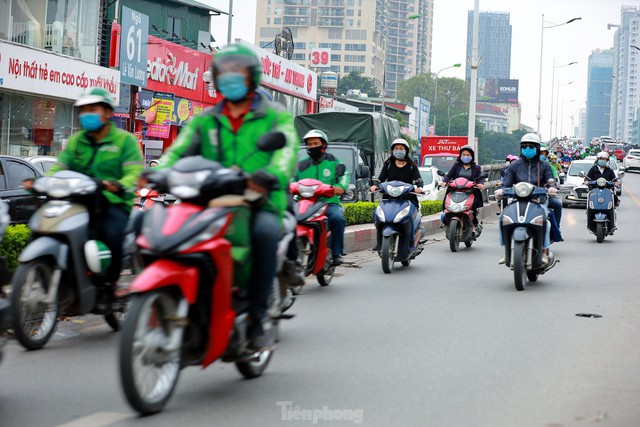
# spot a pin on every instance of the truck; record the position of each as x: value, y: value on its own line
x: 362, y: 141
x: 442, y: 151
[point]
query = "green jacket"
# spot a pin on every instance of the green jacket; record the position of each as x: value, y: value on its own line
x: 553, y: 169
x: 116, y: 158
x: 324, y: 171
x: 210, y: 135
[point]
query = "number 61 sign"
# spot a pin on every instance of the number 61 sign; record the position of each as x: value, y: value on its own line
x: 133, y: 47
x: 321, y: 58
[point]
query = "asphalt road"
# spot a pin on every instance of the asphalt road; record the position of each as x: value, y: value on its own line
x: 447, y: 341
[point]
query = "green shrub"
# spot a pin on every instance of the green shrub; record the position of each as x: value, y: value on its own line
x: 362, y: 212
x: 14, y: 241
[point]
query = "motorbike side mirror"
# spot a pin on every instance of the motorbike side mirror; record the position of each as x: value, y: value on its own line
x: 341, y: 169
x: 272, y: 141
x: 363, y: 171
x: 441, y: 173
x: 582, y: 174
x: 620, y: 174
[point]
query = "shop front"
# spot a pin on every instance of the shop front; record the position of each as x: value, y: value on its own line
x: 37, y: 91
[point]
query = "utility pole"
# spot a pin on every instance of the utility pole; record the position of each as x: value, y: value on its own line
x: 475, y: 62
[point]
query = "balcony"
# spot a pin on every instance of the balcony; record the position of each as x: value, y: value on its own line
x: 295, y: 22
x: 331, y: 3
x: 330, y: 22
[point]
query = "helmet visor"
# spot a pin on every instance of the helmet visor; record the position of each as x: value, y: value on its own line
x: 232, y: 63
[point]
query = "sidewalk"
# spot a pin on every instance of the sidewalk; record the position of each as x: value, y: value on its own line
x: 363, y: 237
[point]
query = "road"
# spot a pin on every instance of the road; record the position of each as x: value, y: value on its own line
x: 447, y: 341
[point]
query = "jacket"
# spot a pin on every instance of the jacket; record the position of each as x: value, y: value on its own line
x: 476, y: 173
x: 532, y: 171
x: 211, y: 135
x: 608, y: 173
x: 325, y: 172
x: 116, y: 158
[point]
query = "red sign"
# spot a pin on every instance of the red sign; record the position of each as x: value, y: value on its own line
x: 326, y: 102
x: 451, y: 145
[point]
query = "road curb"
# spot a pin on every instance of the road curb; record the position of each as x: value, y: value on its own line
x: 363, y: 237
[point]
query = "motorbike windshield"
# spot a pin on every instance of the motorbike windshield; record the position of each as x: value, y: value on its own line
x: 458, y: 197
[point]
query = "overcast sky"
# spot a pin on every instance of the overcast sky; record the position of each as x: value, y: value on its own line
x: 573, y: 42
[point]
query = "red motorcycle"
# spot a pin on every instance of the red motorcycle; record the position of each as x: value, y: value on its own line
x: 145, y: 199
x: 313, y: 233
x: 189, y: 304
x: 458, y: 214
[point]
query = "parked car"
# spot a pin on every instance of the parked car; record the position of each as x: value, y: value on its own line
x: 43, y: 163
x: 431, y: 185
x: 573, y: 192
x: 22, y: 203
x: 632, y: 160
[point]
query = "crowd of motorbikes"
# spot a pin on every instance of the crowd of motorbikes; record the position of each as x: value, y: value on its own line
x: 187, y: 259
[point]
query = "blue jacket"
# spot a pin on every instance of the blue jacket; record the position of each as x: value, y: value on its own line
x: 533, y: 171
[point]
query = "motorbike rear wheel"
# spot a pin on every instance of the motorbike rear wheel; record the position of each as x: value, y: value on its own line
x: 254, y: 368
x: 519, y: 265
x: 454, y: 240
x: 387, y: 253
x: 325, y: 276
x: 149, y: 370
x: 599, y: 232
x: 34, y: 321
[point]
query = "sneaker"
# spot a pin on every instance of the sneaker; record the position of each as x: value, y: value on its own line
x: 502, y: 260
x: 337, y: 260
x: 545, y: 260
x: 259, y: 338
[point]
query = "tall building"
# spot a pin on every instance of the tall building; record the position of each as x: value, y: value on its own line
x: 624, y: 93
x: 599, y: 93
x: 359, y: 34
x: 582, y: 125
x: 494, y: 45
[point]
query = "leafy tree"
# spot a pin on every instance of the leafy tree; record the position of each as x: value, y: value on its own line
x: 355, y: 80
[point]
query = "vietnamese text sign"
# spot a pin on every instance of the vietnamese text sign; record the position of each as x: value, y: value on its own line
x: 163, y: 104
x: 133, y: 47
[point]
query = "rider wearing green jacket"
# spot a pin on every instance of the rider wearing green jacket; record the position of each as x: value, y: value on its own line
x: 228, y: 133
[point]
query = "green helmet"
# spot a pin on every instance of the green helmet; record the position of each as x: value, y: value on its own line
x: 96, y: 95
x: 240, y: 54
x: 316, y: 133
x: 543, y: 147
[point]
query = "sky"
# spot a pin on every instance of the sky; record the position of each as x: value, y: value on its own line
x: 565, y: 44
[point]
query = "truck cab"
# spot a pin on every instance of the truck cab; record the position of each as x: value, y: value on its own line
x: 443, y: 162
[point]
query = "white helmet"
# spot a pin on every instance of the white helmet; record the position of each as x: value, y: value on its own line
x: 603, y: 155
x: 402, y: 142
x: 530, y: 137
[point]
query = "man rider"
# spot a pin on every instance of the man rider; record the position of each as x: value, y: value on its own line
x: 529, y: 168
x: 554, y: 203
x: 113, y: 158
x: 322, y: 166
x: 601, y: 169
x: 228, y: 133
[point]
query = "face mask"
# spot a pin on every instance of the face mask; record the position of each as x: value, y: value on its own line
x: 529, y: 153
x: 316, y: 152
x: 399, y: 154
x: 466, y: 159
x: 543, y: 157
x: 90, y: 121
x: 602, y: 163
x: 232, y: 86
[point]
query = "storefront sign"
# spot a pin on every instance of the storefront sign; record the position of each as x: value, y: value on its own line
x: 163, y: 103
x: 183, y: 109
x: 133, y: 47
x: 330, y: 104
x: 46, y: 74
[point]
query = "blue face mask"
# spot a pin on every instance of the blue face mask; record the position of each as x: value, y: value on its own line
x: 543, y: 157
x: 399, y: 154
x: 90, y: 121
x: 602, y: 163
x: 466, y: 159
x: 232, y: 86
x: 529, y: 153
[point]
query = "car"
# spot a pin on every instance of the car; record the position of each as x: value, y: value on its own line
x: 632, y: 160
x: 431, y: 187
x: 613, y: 148
x: 22, y: 203
x: 573, y: 192
x: 43, y: 163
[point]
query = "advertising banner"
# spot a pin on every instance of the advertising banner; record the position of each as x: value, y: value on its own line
x: 423, y: 108
x: 498, y: 90
x: 133, y: 47
x: 183, y: 109
x: 163, y: 103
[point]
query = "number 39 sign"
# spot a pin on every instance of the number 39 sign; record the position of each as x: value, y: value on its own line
x: 321, y: 58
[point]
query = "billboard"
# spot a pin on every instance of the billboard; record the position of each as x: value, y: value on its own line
x: 498, y: 90
x: 423, y: 108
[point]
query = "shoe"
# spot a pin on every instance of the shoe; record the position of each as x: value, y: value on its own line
x: 259, y: 338
x: 337, y: 260
x: 545, y: 258
x: 502, y: 260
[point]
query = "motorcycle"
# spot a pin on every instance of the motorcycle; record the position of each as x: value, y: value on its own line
x: 458, y: 216
x: 189, y: 305
x: 601, y: 209
x: 61, y: 271
x: 523, y: 225
x: 395, y: 219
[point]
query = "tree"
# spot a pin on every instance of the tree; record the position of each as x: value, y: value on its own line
x: 355, y: 80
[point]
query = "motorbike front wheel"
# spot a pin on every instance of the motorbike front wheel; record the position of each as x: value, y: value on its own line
x: 519, y: 263
x: 149, y: 370
x: 325, y: 276
x: 34, y: 320
x: 387, y: 253
x: 454, y: 240
x: 599, y: 232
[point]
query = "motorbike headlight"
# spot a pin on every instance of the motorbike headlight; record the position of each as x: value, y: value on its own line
x: 58, y: 188
x: 380, y: 214
x: 455, y: 207
x: 307, y: 191
x: 601, y: 182
x: 523, y: 189
x: 144, y: 192
x: 402, y: 214
x: 539, y: 220
x: 395, y: 191
x: 186, y: 185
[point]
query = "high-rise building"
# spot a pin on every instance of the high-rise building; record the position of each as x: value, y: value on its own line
x: 626, y: 59
x: 599, y: 93
x: 359, y: 33
x: 582, y: 125
x: 494, y: 45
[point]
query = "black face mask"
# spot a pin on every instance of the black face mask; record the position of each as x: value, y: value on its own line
x: 315, y: 153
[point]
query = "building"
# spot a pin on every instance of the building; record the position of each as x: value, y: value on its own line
x: 582, y: 126
x: 626, y: 59
x: 499, y: 117
x: 494, y: 45
x: 599, y: 93
x: 352, y: 34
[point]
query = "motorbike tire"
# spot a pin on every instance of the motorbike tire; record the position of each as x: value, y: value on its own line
x: 387, y: 253
x: 325, y: 276
x: 599, y: 232
x: 255, y: 368
x: 454, y: 241
x: 45, y: 319
x: 532, y: 276
x: 140, y: 347
x: 519, y: 265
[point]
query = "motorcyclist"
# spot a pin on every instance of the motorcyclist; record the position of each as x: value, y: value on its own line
x: 601, y: 169
x: 228, y: 133
x: 554, y: 203
x: 466, y: 167
x: 322, y: 166
x: 113, y: 158
x: 529, y: 168
x: 509, y: 160
x: 553, y: 160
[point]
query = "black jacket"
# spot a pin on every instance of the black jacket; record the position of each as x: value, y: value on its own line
x: 594, y: 173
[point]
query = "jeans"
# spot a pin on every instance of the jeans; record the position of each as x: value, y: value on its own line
x: 547, y: 234
x: 265, y: 235
x: 337, y: 225
x: 110, y: 228
x: 556, y: 205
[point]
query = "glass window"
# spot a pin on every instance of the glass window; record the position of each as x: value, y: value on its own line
x: 174, y: 27
x: 16, y: 173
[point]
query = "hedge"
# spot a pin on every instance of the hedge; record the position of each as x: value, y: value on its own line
x: 362, y: 212
x: 15, y: 239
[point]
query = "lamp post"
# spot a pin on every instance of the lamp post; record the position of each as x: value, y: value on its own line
x: 558, y: 99
x: 562, y: 112
x: 435, y: 95
x: 541, y: 50
x: 455, y: 115
x: 553, y: 73
x: 384, y: 60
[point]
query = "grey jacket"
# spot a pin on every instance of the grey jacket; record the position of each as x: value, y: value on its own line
x: 533, y: 171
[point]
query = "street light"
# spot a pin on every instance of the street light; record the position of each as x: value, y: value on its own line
x: 435, y: 95
x: 541, y: 46
x: 553, y: 78
x: 455, y: 115
x: 384, y: 61
x: 562, y: 113
x: 558, y: 99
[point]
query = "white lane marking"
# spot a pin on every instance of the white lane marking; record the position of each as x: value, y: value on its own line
x: 99, y: 419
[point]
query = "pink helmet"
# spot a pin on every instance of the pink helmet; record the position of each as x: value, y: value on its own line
x: 511, y: 158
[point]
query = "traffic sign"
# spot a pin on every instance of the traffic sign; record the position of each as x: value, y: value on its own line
x: 133, y: 47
